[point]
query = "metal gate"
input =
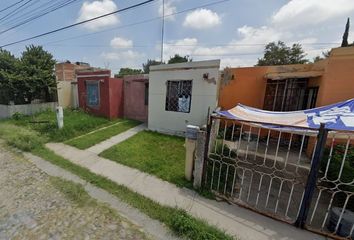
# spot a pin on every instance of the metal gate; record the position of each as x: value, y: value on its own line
x: 280, y: 174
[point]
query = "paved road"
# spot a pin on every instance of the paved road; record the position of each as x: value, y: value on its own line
x: 31, y: 207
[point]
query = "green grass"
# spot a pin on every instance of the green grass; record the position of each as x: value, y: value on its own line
x: 73, y: 191
x: 91, y: 139
x: 180, y: 222
x: 76, y: 122
x: 158, y: 154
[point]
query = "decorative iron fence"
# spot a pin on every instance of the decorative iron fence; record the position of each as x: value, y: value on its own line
x: 281, y: 173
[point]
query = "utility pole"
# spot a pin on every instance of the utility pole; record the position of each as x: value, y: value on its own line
x: 162, y: 29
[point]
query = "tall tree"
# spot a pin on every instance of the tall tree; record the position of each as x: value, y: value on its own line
x: 346, y: 34
x: 128, y: 71
x: 9, y: 70
x: 280, y: 54
x: 179, y: 59
x: 37, y: 71
x: 150, y: 62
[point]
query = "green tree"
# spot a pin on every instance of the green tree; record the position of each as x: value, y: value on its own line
x: 9, y: 69
x: 150, y: 62
x: 128, y: 71
x: 37, y: 73
x: 179, y: 59
x: 346, y: 34
x: 280, y: 54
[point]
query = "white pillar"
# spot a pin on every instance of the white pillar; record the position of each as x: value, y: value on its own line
x: 191, y: 139
x: 60, y: 117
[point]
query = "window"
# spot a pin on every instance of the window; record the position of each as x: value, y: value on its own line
x: 93, y: 93
x: 179, y: 96
x: 285, y: 95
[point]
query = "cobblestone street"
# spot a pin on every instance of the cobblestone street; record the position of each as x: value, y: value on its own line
x: 31, y: 207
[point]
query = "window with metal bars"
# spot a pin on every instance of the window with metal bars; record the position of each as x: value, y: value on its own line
x: 286, y: 95
x: 179, y: 96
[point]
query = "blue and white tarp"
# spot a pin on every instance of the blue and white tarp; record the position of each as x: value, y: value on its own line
x: 337, y: 117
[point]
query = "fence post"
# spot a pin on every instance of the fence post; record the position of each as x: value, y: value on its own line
x: 209, y: 127
x: 312, y: 178
x: 199, y: 159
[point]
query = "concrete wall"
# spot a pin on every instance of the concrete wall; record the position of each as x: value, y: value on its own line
x: 134, y: 97
x: 204, y: 95
x: 64, y: 90
x: 6, y: 111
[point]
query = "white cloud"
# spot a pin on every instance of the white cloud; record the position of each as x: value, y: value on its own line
x: 202, y: 19
x: 182, y: 47
x: 169, y: 9
x: 119, y: 42
x: 311, y: 12
x: 96, y: 8
x: 123, y: 56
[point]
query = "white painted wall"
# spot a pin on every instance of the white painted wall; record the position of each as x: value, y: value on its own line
x: 204, y: 95
x: 6, y: 111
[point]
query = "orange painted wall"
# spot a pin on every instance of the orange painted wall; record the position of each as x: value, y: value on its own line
x: 337, y: 83
x: 247, y: 87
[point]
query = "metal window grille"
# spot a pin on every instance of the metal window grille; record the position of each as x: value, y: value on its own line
x: 179, y: 96
x: 286, y: 95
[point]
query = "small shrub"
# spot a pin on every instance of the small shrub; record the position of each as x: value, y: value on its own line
x: 18, y: 116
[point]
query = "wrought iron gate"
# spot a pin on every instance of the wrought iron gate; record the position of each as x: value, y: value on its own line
x: 272, y: 172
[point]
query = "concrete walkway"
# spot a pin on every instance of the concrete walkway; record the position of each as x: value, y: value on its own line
x: 153, y: 227
x: 239, y: 222
x: 100, y: 147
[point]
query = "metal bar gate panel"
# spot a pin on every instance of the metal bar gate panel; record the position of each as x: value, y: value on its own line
x: 282, y: 174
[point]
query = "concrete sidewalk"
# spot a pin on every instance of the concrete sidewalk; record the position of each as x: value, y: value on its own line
x: 239, y: 222
x: 100, y: 147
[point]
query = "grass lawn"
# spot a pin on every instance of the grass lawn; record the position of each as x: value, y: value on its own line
x: 91, y: 139
x: 76, y: 122
x: 28, y: 137
x: 159, y: 154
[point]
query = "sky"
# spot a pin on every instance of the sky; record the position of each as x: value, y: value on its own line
x: 234, y: 31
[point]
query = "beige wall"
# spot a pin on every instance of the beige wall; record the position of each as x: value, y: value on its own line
x: 66, y: 94
x: 204, y: 95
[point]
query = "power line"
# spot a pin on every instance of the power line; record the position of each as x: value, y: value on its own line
x: 79, y: 23
x: 31, y: 12
x: 38, y: 16
x: 140, y: 22
x: 15, y: 10
x: 14, y: 4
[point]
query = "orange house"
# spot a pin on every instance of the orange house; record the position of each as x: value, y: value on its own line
x: 291, y: 87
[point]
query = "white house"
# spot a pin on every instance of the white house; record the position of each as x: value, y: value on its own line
x: 181, y: 94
